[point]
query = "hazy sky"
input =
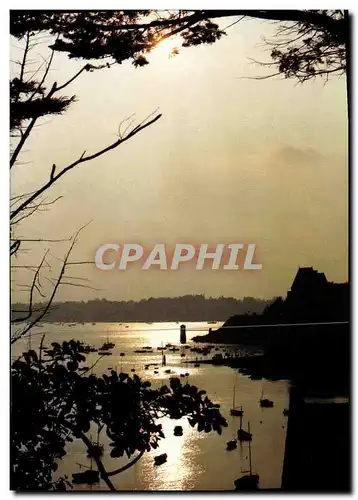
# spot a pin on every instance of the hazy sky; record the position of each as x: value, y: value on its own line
x: 232, y: 160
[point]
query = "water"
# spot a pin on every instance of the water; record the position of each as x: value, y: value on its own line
x: 196, y: 461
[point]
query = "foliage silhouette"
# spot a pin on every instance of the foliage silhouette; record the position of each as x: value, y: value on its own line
x: 53, y: 403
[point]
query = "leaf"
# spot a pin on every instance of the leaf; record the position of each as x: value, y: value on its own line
x: 201, y: 426
x: 116, y: 452
x: 192, y: 421
x: 72, y: 365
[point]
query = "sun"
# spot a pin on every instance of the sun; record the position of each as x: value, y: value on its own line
x: 166, y: 47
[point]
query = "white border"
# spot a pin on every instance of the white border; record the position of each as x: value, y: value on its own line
x: 4, y: 183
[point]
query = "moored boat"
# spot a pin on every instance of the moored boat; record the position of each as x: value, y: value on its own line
x: 249, y: 482
x: 160, y: 459
x: 231, y: 445
x: 86, y: 477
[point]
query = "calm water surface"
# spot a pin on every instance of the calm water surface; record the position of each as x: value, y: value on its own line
x: 196, y: 461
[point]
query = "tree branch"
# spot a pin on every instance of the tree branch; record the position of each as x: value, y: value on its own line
x: 82, y: 159
x: 57, y: 284
x: 293, y: 15
x: 30, y: 310
x: 96, y: 458
x: 125, y: 467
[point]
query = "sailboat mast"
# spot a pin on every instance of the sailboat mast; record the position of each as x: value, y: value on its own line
x: 233, y: 396
x: 248, y: 428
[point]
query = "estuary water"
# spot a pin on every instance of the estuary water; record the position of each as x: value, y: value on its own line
x: 196, y: 461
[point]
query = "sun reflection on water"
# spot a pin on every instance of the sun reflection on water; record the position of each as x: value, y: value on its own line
x: 181, y: 468
x: 196, y: 460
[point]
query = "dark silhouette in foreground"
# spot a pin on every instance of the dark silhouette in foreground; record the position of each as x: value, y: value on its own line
x: 312, y: 351
x: 53, y: 403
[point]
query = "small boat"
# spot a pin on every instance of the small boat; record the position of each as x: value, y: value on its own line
x: 167, y: 371
x: 235, y: 412
x: 182, y: 355
x: 161, y: 348
x: 250, y: 482
x: 286, y: 412
x: 156, y: 372
x: 146, y: 367
x: 231, y: 445
x: 104, y: 353
x: 264, y: 402
x: 243, y: 435
x: 86, y: 477
x: 182, y: 375
x: 178, y: 430
x: 196, y: 365
x: 107, y: 345
x: 160, y: 459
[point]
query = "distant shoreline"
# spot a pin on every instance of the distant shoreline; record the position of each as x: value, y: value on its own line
x: 159, y: 309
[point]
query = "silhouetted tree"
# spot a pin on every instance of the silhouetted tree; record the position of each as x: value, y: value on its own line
x: 54, y: 403
x: 309, y: 43
x: 32, y: 98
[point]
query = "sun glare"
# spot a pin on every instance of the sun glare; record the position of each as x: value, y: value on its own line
x: 166, y: 48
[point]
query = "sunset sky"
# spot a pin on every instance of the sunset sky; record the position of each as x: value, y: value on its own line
x: 232, y: 160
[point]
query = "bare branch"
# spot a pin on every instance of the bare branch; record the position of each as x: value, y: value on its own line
x: 23, y: 63
x: 44, y: 75
x: 32, y: 288
x: 14, y: 247
x: 43, y: 240
x: 82, y: 159
x: 33, y: 322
